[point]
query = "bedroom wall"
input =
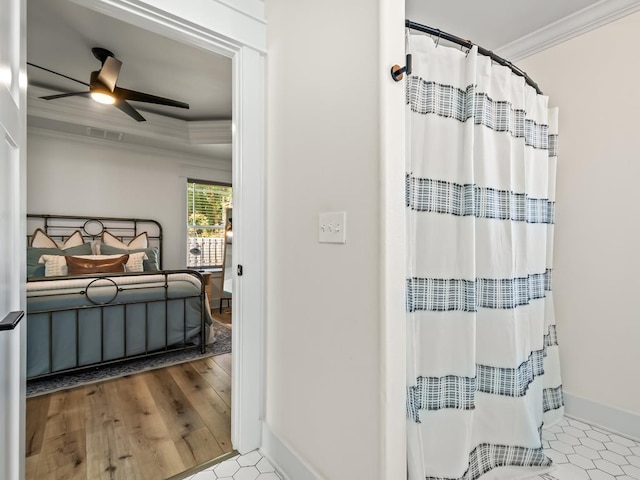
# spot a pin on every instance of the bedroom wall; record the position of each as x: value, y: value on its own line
x: 592, y: 78
x: 82, y: 176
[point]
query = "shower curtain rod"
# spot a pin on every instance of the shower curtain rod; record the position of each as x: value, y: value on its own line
x: 468, y: 44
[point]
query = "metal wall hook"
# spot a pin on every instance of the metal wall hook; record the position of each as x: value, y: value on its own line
x: 397, y: 72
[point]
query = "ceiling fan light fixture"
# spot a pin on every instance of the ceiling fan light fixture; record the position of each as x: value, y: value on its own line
x: 99, y: 92
x: 103, y: 97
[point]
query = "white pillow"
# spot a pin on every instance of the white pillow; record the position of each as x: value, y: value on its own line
x: 56, y: 265
x: 42, y: 240
x: 135, y: 262
x: 141, y: 241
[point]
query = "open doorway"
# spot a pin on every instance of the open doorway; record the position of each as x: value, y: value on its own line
x: 83, y: 166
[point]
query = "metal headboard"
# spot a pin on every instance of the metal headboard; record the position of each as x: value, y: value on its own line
x: 60, y: 227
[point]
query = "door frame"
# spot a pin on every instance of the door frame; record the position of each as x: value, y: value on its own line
x: 237, y: 32
x: 13, y: 216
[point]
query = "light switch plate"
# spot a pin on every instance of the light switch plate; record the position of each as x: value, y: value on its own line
x: 332, y: 227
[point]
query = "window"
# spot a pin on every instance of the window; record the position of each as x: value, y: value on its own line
x: 207, y: 204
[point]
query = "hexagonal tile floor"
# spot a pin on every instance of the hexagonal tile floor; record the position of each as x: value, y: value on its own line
x: 579, y: 450
x: 252, y: 466
x: 584, y: 452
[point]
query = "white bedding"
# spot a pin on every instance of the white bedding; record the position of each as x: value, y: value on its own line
x: 48, y: 287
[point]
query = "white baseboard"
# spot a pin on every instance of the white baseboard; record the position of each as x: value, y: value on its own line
x: 286, y: 461
x: 627, y: 424
x: 609, y: 418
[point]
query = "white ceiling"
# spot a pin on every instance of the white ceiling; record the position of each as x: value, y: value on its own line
x: 516, y: 29
x: 60, y: 35
x: 492, y: 24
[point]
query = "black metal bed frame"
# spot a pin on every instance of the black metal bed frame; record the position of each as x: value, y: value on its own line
x: 59, y: 226
x: 62, y: 226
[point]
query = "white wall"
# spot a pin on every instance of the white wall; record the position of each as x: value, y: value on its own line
x: 323, y: 381
x: 593, y: 79
x: 77, y: 176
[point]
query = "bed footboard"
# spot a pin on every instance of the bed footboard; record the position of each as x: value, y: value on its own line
x: 78, y: 323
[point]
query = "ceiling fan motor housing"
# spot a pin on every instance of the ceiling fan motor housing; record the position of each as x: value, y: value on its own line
x: 101, y: 53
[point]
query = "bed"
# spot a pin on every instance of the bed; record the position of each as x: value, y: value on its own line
x: 97, y: 294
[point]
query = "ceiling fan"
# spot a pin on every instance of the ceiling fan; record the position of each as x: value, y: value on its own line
x: 103, y: 88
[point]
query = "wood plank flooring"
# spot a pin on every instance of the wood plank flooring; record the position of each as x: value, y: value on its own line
x: 147, y: 426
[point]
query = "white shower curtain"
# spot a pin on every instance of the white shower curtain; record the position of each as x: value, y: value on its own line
x: 483, y: 373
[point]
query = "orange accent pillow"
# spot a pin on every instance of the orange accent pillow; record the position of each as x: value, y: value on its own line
x: 82, y: 266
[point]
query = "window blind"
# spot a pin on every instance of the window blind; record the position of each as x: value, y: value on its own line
x: 206, y: 207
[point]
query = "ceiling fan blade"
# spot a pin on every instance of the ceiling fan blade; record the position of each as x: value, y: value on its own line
x: 109, y: 72
x: 145, y: 97
x: 129, y: 110
x: 56, y: 73
x: 63, y: 95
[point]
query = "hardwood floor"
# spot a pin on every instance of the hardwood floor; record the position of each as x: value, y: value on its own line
x: 150, y: 425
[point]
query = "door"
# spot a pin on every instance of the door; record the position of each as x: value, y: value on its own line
x: 12, y: 237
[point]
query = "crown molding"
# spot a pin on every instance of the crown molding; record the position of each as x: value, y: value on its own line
x: 202, y: 161
x: 578, y: 23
